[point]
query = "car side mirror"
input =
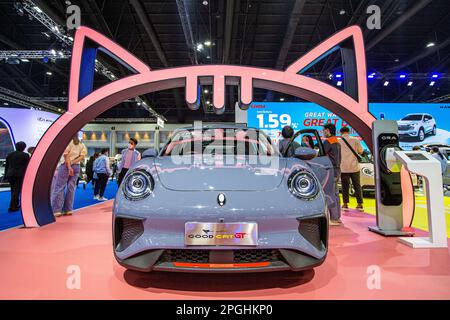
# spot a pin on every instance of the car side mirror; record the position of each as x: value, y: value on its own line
x: 149, y: 153
x: 303, y: 153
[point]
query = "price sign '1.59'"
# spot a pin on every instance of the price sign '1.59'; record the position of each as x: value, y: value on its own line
x: 273, y: 120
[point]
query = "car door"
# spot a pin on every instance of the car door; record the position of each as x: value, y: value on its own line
x: 320, y: 165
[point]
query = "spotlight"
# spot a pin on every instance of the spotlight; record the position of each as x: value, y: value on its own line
x: 5, y: 103
x: 208, y: 102
x: 342, y: 12
x: 24, y: 60
x: 386, y: 83
x: 410, y: 83
x: 397, y: 60
x: 207, y: 43
x: 435, y: 75
x: 372, y: 75
x: 402, y: 76
x: 205, y: 91
x: 205, y: 3
x: 53, y: 52
x: 430, y: 44
x: 432, y: 83
x: 60, y: 53
x: 37, y: 9
x: 49, y: 73
x: 339, y: 83
x: 281, y: 99
x: 199, y: 47
x: 338, y: 75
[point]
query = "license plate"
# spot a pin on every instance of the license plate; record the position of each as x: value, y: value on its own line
x: 220, y: 234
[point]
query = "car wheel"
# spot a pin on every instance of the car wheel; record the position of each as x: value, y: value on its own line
x: 434, y: 131
x: 421, y: 134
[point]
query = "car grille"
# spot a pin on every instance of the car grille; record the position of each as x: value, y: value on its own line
x: 403, y: 127
x: 239, y: 256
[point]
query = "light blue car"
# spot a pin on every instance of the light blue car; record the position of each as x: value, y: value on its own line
x: 222, y: 199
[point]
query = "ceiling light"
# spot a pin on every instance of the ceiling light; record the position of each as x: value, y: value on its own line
x: 372, y: 75
x: 386, y: 83
x: 342, y: 12
x: 205, y: 91
x: 338, y: 75
x: 281, y: 99
x: 53, y: 52
x: 208, y: 102
x: 5, y: 103
x: 205, y: 3
x: 402, y: 76
x: 397, y: 60
x: 199, y: 47
x: 24, y: 60
x: 49, y: 73
x: 435, y: 76
x: 410, y: 83
x: 37, y: 9
x: 430, y: 44
x: 60, y: 53
x: 207, y: 43
x: 432, y: 83
x: 339, y: 83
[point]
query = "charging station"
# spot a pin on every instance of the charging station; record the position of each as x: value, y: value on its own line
x: 425, y: 165
x: 388, y: 184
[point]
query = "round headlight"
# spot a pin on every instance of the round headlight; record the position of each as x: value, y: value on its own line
x: 303, y: 185
x: 138, y: 185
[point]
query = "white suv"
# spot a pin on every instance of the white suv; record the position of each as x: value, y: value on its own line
x: 416, y: 125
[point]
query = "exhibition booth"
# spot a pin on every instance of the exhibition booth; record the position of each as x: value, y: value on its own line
x: 256, y: 230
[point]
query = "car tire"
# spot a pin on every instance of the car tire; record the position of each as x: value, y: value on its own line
x: 434, y: 131
x: 421, y: 134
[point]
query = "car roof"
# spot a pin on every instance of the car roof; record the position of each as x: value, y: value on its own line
x: 219, y: 126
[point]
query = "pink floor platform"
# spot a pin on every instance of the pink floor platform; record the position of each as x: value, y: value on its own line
x: 34, y: 264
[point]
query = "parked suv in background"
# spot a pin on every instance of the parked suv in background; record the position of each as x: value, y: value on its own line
x: 416, y: 125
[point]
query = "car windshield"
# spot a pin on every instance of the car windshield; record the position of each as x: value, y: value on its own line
x: 238, y: 142
x: 413, y: 117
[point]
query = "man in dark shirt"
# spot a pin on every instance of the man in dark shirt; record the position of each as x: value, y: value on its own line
x: 285, y: 146
x: 16, y: 164
x: 332, y: 149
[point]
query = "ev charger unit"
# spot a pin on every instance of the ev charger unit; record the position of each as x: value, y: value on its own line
x: 388, y: 187
x: 426, y: 166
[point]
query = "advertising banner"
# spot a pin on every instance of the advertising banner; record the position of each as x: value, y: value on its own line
x: 419, y: 123
x: 26, y: 125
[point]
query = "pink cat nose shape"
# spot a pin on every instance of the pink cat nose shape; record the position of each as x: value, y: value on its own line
x: 192, y: 92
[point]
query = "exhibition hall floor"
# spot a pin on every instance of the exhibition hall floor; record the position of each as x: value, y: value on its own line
x: 39, y: 264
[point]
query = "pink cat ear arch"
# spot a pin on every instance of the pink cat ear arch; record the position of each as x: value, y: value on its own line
x: 85, y: 104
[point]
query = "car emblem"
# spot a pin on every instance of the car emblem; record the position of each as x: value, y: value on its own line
x: 221, y: 199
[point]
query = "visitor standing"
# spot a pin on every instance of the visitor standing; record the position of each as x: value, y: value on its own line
x: 103, y: 171
x: 285, y: 146
x: 332, y: 149
x: 15, y: 167
x: 68, y: 170
x: 129, y: 157
x: 351, y: 150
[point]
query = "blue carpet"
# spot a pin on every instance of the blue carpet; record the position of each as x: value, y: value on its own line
x: 83, y: 198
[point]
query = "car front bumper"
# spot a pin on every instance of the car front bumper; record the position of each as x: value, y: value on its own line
x: 283, y: 244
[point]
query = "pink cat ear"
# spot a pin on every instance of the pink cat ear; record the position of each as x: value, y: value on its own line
x: 86, y: 44
x: 351, y: 41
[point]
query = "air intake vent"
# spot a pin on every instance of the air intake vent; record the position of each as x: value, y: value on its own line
x: 314, y: 231
x: 127, y: 231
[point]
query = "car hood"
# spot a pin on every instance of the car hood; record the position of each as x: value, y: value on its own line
x: 230, y: 173
x: 407, y: 122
